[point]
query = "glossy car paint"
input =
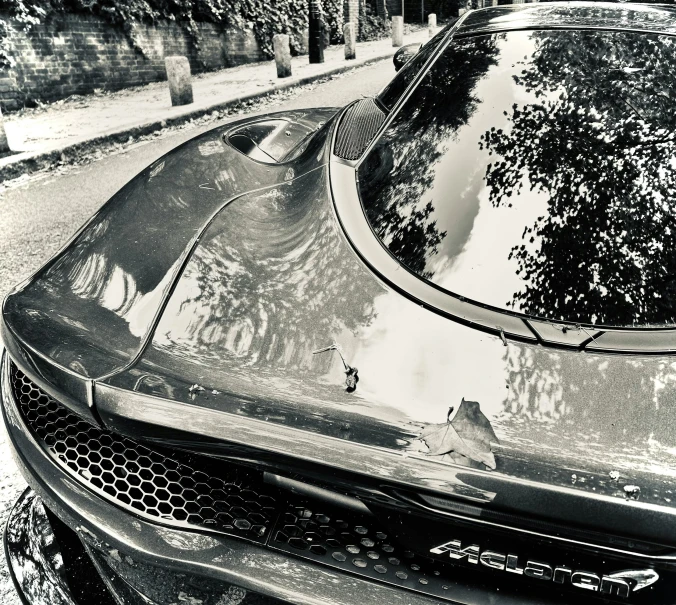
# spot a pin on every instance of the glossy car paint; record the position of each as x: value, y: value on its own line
x: 130, y: 546
x: 202, y: 331
x: 562, y: 15
x: 557, y: 413
x: 33, y: 555
x: 273, y: 280
x: 106, y: 287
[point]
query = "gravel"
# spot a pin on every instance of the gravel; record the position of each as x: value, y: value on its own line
x: 11, y: 486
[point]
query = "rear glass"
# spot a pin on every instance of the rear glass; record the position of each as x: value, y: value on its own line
x: 533, y: 171
x: 398, y: 85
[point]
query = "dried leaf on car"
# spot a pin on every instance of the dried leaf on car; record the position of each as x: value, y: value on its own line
x: 467, y: 436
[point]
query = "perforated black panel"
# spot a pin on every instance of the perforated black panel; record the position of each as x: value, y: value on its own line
x: 356, y: 130
x: 358, y: 545
x: 146, y: 481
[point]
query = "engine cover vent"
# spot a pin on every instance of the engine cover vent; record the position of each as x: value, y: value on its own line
x: 356, y: 130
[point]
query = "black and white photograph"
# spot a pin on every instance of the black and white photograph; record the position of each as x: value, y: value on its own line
x: 337, y: 302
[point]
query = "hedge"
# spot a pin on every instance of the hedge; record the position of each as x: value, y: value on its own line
x: 267, y: 17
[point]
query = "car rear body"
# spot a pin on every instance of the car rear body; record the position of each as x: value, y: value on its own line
x: 229, y: 384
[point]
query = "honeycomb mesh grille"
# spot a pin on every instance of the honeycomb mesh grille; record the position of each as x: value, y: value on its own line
x: 158, y: 487
x: 359, y: 546
x: 152, y: 484
x: 359, y: 125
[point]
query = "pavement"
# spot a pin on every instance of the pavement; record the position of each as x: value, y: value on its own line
x: 41, y: 136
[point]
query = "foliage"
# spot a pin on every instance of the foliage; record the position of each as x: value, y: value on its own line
x: 6, y: 59
x: 334, y: 18
x: 596, y: 138
x: 399, y: 173
x: 371, y: 27
x: 266, y: 17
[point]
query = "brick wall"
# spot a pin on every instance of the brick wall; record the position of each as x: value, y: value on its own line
x: 76, y: 54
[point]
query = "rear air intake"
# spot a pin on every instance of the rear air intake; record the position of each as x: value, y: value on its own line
x: 149, y: 483
x: 391, y: 546
x: 356, y: 130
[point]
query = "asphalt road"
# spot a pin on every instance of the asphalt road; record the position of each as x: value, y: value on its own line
x: 39, y: 216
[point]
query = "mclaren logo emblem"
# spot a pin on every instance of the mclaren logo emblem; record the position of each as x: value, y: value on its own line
x: 620, y: 584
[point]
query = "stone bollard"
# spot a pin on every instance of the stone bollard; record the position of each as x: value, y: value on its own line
x: 397, y: 31
x: 280, y: 42
x: 432, y: 24
x: 4, y: 145
x: 350, y: 35
x: 180, y: 84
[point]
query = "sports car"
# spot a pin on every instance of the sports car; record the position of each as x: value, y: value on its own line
x: 417, y: 350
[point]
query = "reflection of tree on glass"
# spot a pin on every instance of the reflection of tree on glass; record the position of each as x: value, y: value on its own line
x: 401, y: 169
x: 596, y: 136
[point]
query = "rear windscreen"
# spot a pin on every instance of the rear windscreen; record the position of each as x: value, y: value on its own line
x: 533, y: 171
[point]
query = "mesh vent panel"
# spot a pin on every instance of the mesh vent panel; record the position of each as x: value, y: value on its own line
x: 357, y: 545
x: 362, y: 546
x: 146, y: 481
x: 359, y: 125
